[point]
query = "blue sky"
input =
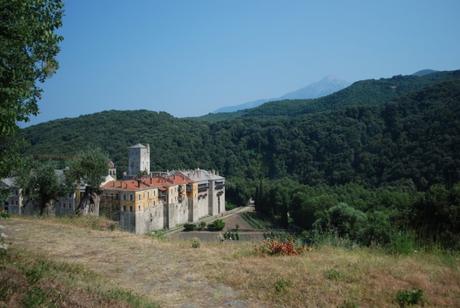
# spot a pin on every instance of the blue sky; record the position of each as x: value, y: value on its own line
x: 191, y: 57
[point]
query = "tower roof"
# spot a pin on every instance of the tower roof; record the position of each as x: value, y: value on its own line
x: 137, y: 146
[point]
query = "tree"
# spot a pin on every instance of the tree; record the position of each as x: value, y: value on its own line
x: 343, y: 220
x: 28, y: 49
x: 39, y: 184
x: 87, y: 169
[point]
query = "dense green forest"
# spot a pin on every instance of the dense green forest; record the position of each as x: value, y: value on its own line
x: 402, y: 133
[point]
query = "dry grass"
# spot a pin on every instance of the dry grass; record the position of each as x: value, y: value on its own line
x: 331, y: 276
x: 173, y: 273
x: 31, y: 280
x: 87, y: 222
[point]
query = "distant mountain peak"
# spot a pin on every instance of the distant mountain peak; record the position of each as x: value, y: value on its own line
x: 327, y: 85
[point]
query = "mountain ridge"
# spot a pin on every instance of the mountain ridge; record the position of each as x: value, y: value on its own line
x: 325, y: 86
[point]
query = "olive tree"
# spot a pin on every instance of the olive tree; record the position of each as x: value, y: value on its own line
x: 87, y: 170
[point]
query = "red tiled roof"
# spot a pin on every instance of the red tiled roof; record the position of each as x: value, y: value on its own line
x: 179, y: 179
x: 126, y: 185
x: 149, y: 182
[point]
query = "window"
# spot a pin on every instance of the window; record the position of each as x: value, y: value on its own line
x: 140, y: 197
x: 139, y: 207
x: 124, y: 208
x: 131, y: 197
x: 124, y: 196
x: 131, y: 208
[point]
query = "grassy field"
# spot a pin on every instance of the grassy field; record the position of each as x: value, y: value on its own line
x: 32, y: 280
x: 172, y: 273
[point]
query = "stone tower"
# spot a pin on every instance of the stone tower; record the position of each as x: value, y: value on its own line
x: 138, y: 159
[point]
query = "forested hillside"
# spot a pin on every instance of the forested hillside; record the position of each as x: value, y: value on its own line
x: 415, y: 136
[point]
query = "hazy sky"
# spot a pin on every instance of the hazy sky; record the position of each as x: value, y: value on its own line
x: 192, y: 57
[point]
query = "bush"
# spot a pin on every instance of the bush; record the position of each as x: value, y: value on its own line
x: 202, y: 226
x: 377, y: 230
x: 274, y: 247
x: 233, y: 236
x: 281, y: 285
x: 216, y: 225
x: 409, y: 297
x: 230, y: 206
x: 159, y: 234
x: 343, y: 220
x: 333, y: 274
x: 281, y: 236
x: 189, y: 227
x: 402, y: 243
x: 317, y: 238
x: 196, y: 243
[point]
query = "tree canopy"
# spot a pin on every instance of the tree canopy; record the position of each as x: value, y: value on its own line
x: 29, y: 43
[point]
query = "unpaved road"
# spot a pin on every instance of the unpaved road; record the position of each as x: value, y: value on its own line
x: 170, y: 273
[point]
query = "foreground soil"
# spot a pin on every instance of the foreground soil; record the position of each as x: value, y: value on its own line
x: 173, y: 274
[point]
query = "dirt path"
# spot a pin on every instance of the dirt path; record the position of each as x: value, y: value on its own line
x: 172, y: 274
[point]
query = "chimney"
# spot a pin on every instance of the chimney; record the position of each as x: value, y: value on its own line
x: 139, y: 183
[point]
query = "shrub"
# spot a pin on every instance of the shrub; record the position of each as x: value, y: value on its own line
x: 281, y: 285
x: 333, y: 274
x: 196, y: 243
x: 230, y: 206
x: 189, y: 227
x: 343, y: 220
x: 274, y: 247
x: 234, y: 236
x: 317, y: 238
x: 377, y: 231
x: 409, y: 297
x: 4, y: 215
x: 159, y: 234
x: 216, y: 225
x: 281, y: 236
x: 202, y: 226
x: 402, y: 243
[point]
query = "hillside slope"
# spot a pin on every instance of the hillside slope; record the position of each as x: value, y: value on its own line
x: 174, y: 274
x: 415, y: 137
